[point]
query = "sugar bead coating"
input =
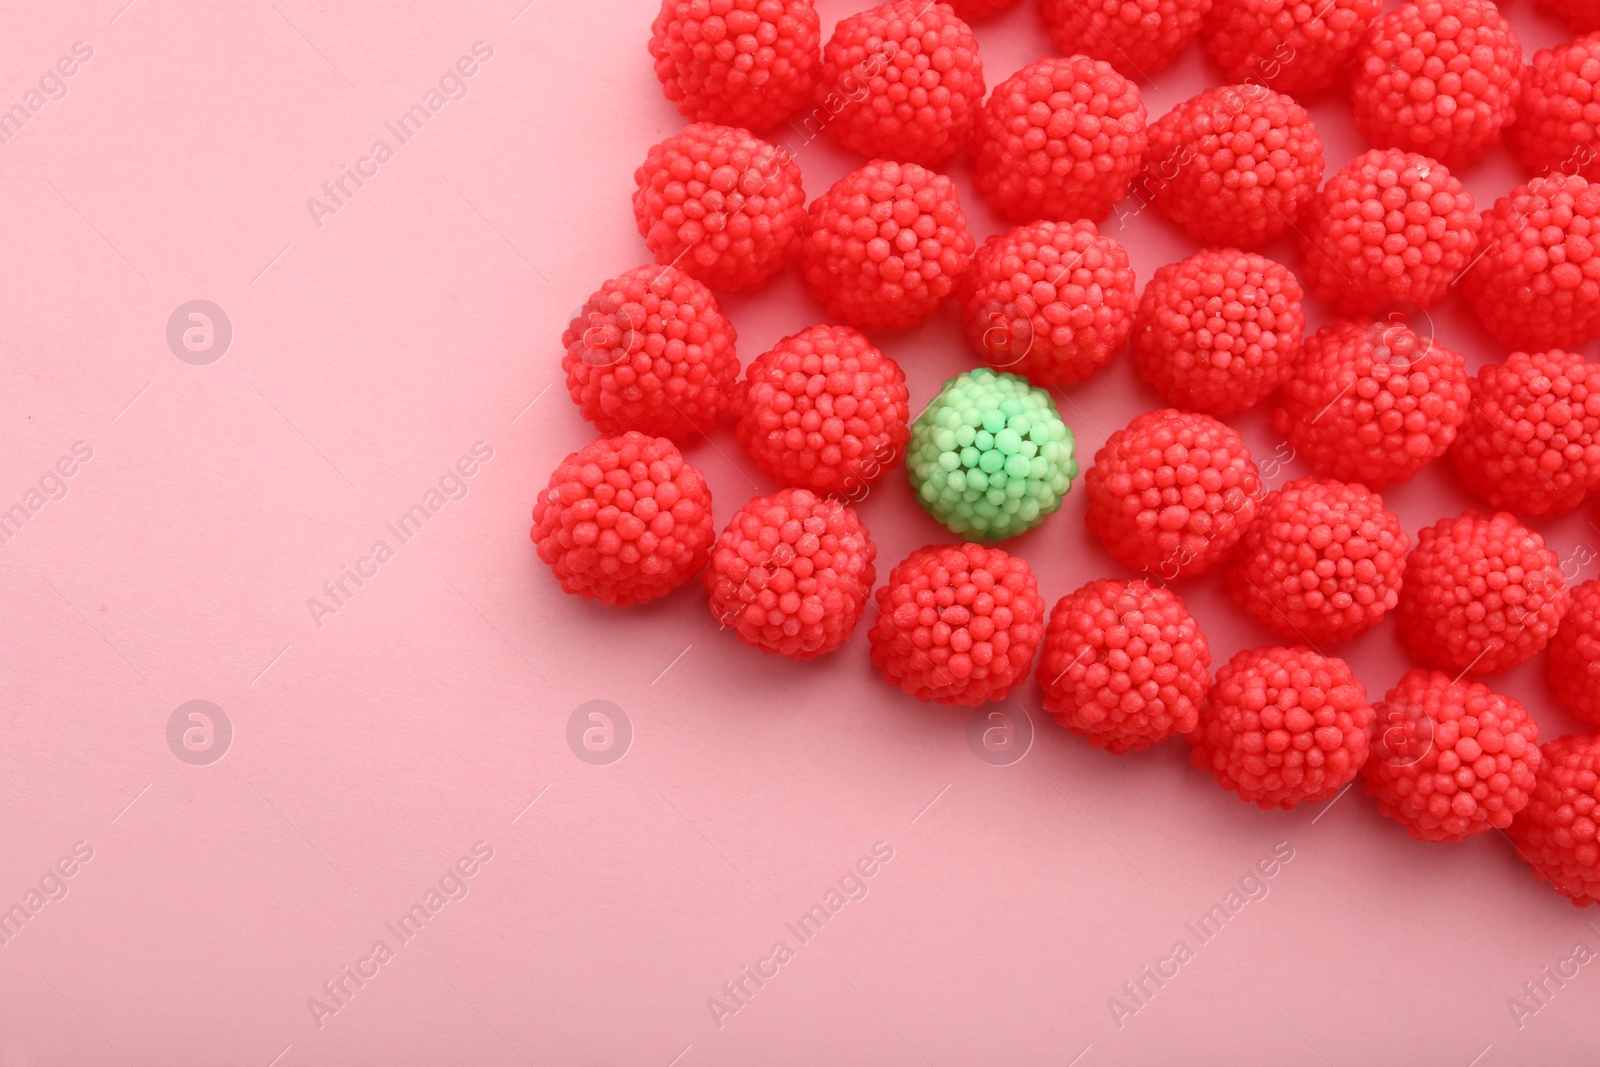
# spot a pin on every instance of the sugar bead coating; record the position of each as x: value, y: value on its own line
x: 1137, y: 37
x: 1450, y: 758
x: 1322, y: 563
x: 651, y: 351
x: 1171, y: 493
x: 1234, y: 165
x: 1124, y: 664
x: 1440, y: 77
x: 1482, y: 593
x: 1531, y: 443
x: 1219, y: 331
x: 747, y: 63
x: 1537, y: 283
x: 886, y: 245
x: 1392, y: 228
x: 990, y: 458
x: 905, y: 81
x: 624, y: 520
x: 1572, y: 662
x: 824, y: 409
x: 1059, y: 139
x: 1372, y: 403
x: 1558, y: 120
x: 957, y: 624
x: 1582, y: 15
x: 1052, y: 301
x: 720, y: 203
x: 1556, y: 832
x: 1283, y: 726
x: 972, y: 10
x: 791, y: 573
x: 1294, y: 46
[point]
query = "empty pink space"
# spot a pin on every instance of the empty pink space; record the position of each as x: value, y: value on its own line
x: 306, y: 759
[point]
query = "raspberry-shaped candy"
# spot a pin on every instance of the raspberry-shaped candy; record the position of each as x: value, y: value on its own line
x: 1582, y: 15
x: 1137, y: 37
x: 824, y: 409
x: 989, y: 456
x: 1572, y: 664
x: 1558, y: 120
x: 1172, y: 492
x: 1393, y: 227
x: 905, y: 80
x: 958, y: 624
x: 1124, y: 664
x: 722, y: 204
x: 1372, y: 404
x: 791, y: 573
x: 1234, y: 165
x: 624, y: 520
x: 1451, y: 758
x: 1557, y: 831
x: 744, y: 63
x: 1482, y: 593
x: 1322, y: 562
x: 886, y: 245
x: 1440, y: 77
x: 1531, y: 443
x: 972, y: 10
x: 651, y: 351
x: 1537, y: 283
x: 1295, y: 46
x: 1219, y: 331
x: 1059, y: 139
x: 1052, y: 301
x: 1283, y: 726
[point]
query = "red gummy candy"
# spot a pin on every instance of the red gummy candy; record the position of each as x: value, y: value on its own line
x: 1295, y: 46
x: 1558, y: 120
x: 1572, y: 662
x: 746, y: 63
x: 624, y: 520
x: 1137, y: 37
x: 1124, y: 664
x: 1582, y: 15
x: 1556, y: 832
x: 1283, y: 726
x: 958, y: 624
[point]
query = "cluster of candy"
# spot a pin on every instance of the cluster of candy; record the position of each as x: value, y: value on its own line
x: 1368, y: 400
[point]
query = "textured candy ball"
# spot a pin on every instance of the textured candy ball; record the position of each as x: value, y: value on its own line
x: 1171, y: 493
x: 990, y: 458
x: 824, y: 409
x: 1582, y: 15
x: 1558, y: 120
x: 791, y: 573
x: 901, y: 81
x: 1283, y: 726
x: 1219, y: 331
x: 1531, y: 443
x: 1234, y: 165
x: 886, y: 245
x: 1451, y: 758
x: 1294, y: 46
x: 624, y: 520
x: 1124, y: 664
x: 1393, y: 229
x: 1556, y: 831
x: 1572, y: 662
x: 749, y: 63
x: 1059, y: 139
x: 1482, y: 593
x: 1322, y: 563
x: 1536, y: 284
x: 957, y: 624
x: 1372, y: 403
x: 720, y: 203
x: 971, y: 10
x: 1052, y: 301
x: 1137, y: 37
x: 651, y: 351
x: 1440, y: 77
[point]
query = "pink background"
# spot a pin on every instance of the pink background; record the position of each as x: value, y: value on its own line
x: 369, y: 754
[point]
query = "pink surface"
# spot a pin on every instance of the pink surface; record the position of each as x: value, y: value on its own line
x: 377, y: 747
